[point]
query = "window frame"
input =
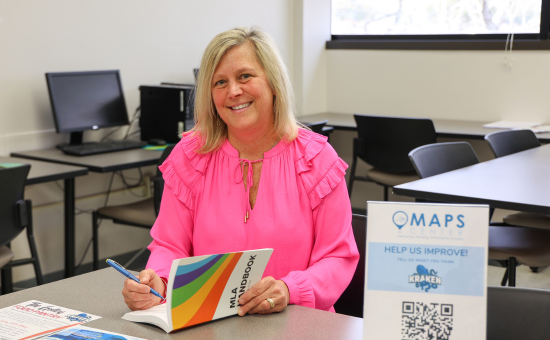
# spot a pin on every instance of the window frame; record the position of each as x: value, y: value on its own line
x: 522, y: 41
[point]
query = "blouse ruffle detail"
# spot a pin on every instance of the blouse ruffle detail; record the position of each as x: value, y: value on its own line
x: 184, y: 160
x: 308, y: 146
x: 328, y: 183
x: 300, y: 290
x: 329, y: 168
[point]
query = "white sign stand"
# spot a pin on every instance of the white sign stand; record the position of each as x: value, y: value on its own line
x: 426, y: 271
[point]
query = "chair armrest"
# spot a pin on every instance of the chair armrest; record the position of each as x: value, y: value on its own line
x: 327, y: 130
x: 23, y: 210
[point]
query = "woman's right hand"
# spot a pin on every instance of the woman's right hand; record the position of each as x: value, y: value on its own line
x: 137, y: 296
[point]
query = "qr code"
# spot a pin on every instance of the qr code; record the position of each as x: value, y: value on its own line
x: 426, y: 321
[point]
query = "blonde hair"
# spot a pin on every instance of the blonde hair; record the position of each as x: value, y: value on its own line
x: 208, y: 125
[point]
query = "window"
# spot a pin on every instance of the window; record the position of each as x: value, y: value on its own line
x: 440, y: 20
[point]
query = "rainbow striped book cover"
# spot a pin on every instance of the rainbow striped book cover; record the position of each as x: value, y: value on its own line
x: 205, y: 288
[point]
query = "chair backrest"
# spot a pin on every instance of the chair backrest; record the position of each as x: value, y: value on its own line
x: 12, y: 188
x: 351, y: 301
x: 317, y: 127
x: 159, y: 181
x: 517, y: 313
x: 385, y: 142
x: 504, y: 143
x: 435, y: 159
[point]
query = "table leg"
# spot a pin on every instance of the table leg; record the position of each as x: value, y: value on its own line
x: 7, y: 281
x: 512, y: 263
x: 69, y: 228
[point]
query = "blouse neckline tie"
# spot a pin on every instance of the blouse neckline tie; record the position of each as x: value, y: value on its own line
x: 249, y: 178
x: 239, y: 177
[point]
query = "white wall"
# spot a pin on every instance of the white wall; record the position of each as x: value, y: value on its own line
x: 310, y: 57
x: 463, y: 85
x: 154, y: 41
x: 148, y: 41
x: 466, y: 85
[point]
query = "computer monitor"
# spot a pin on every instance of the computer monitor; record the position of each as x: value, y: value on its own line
x: 86, y: 101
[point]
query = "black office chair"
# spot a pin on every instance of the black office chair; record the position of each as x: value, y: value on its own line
x: 15, y: 216
x: 435, y: 159
x: 351, y: 300
x: 510, y: 245
x: 504, y: 143
x: 517, y: 313
x: 138, y: 214
x: 321, y: 128
x: 384, y: 143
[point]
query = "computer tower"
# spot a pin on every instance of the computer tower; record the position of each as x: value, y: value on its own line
x: 166, y: 111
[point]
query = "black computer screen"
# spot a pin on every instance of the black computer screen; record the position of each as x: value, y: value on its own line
x: 86, y: 100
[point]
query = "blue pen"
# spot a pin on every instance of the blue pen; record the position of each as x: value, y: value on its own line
x: 126, y: 273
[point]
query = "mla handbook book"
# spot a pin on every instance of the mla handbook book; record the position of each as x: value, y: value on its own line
x: 426, y: 271
x: 205, y: 288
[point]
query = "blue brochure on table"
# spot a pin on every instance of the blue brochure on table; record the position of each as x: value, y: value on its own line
x: 84, y: 333
x: 426, y: 271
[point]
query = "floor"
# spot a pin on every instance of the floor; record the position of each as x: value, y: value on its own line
x: 138, y: 261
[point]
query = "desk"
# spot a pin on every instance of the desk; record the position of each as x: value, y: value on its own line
x: 520, y: 181
x: 106, y: 162
x: 443, y: 127
x: 99, y: 293
x: 42, y: 172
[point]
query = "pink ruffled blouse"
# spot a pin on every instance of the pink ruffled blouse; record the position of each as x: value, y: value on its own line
x: 302, y: 211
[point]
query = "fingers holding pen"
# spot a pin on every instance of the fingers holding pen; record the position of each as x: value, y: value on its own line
x: 150, y: 278
x: 138, y: 295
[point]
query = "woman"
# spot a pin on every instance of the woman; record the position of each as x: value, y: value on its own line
x: 247, y: 177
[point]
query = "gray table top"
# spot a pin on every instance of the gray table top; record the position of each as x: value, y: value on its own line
x: 105, y: 162
x: 99, y: 293
x: 42, y: 172
x: 519, y: 181
x: 443, y: 127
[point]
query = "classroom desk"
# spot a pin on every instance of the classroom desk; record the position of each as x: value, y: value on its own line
x: 443, y: 127
x: 107, y: 162
x: 99, y: 293
x: 42, y: 172
x: 520, y: 181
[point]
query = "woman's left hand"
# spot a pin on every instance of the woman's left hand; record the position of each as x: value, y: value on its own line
x: 255, y: 301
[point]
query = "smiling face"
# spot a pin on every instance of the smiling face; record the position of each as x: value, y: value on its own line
x: 241, y: 92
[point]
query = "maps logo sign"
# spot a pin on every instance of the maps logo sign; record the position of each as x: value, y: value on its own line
x: 424, y: 224
x: 425, y: 279
x: 400, y: 219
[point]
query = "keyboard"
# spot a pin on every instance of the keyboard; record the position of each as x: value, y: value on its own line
x: 102, y: 147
